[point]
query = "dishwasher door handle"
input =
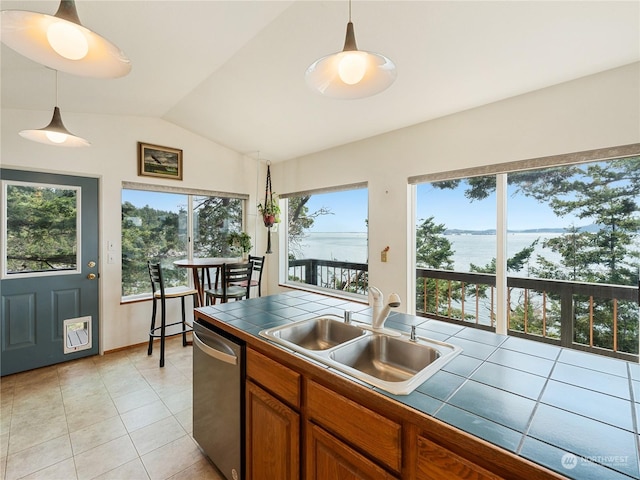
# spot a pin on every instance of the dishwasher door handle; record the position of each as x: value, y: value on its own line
x: 213, y: 352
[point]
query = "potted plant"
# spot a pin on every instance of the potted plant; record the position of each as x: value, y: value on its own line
x: 240, y: 242
x: 270, y: 211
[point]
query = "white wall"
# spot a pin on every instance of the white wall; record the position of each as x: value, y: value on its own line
x: 594, y: 112
x: 598, y: 111
x: 113, y: 159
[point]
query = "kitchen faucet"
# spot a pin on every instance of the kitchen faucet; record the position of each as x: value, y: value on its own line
x: 380, y: 312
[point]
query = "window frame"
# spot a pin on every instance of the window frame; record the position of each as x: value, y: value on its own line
x: 190, y: 193
x: 283, y: 268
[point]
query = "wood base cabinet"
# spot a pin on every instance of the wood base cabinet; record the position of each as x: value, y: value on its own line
x: 328, y: 458
x: 434, y: 462
x: 272, y: 437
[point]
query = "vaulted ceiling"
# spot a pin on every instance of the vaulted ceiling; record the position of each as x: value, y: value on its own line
x: 233, y: 71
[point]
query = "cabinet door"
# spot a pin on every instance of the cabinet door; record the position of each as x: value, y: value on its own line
x: 273, y: 437
x: 329, y: 458
x: 435, y: 463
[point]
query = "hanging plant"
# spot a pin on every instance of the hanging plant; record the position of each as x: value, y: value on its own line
x: 270, y: 210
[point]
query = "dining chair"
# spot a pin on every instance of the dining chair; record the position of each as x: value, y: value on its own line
x: 232, y: 275
x: 256, y: 276
x: 160, y: 293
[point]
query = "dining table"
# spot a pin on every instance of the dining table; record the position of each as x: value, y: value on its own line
x: 200, y: 271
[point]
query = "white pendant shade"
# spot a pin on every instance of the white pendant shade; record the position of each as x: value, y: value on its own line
x: 55, y: 134
x: 331, y: 76
x: 351, y: 73
x: 61, y: 42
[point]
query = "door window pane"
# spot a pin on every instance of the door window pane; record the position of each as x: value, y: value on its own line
x: 42, y: 233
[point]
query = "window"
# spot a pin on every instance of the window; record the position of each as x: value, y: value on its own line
x: 327, y: 240
x: 572, y: 256
x: 41, y: 231
x: 157, y: 226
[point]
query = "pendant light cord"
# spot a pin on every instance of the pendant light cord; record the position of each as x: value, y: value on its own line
x: 56, y: 83
x: 349, y: 10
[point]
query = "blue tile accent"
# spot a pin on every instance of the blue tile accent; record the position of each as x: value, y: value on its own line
x: 481, y: 336
x: 605, y: 408
x: 538, y: 349
x: 473, y: 349
x: 505, y: 408
x: 442, y: 327
x: 592, y: 361
x: 521, y: 361
x: 567, y: 463
x: 585, y: 437
x: 462, y: 365
x: 509, y: 379
x: 419, y: 401
x: 592, y: 379
x: 481, y: 427
x: 441, y: 385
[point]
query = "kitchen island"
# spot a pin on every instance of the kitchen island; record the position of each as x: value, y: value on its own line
x: 504, y: 408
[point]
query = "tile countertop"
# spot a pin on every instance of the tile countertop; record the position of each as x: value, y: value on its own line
x: 573, y: 412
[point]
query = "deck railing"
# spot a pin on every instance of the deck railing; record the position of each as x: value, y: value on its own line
x: 593, y: 317
x: 332, y: 274
x: 585, y: 316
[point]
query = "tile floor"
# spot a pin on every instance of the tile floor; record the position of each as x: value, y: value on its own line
x: 117, y: 416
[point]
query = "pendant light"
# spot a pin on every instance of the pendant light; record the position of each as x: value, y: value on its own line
x: 62, y: 43
x: 55, y: 133
x: 351, y: 73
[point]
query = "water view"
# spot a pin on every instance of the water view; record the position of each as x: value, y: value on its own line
x: 476, y: 249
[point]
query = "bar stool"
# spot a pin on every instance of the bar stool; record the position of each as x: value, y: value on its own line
x: 233, y: 275
x: 258, y: 263
x: 161, y: 293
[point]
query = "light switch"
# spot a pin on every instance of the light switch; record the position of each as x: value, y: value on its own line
x: 111, y: 246
x: 112, y: 258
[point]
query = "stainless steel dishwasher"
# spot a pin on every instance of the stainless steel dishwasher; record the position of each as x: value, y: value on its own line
x: 218, y: 399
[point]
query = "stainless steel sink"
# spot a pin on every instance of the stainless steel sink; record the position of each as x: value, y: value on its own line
x: 387, y: 358
x: 395, y: 364
x: 320, y: 333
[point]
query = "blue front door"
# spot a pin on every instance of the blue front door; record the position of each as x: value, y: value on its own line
x: 49, y: 269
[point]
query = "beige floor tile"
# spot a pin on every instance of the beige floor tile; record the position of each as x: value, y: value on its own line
x: 173, y: 458
x: 62, y: 470
x: 35, y: 415
x: 105, y: 457
x: 143, y: 416
x: 133, y: 470
x: 38, y: 457
x: 185, y: 418
x: 27, y: 435
x: 136, y: 399
x: 202, y: 470
x: 27, y: 398
x: 122, y: 384
x: 97, y: 434
x: 179, y: 401
x: 157, y: 435
x: 84, y: 414
x: 93, y: 386
x: 4, y: 445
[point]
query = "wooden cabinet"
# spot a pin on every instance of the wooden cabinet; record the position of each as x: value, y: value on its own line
x: 327, y: 458
x: 272, y: 437
x: 434, y: 462
x: 364, y: 429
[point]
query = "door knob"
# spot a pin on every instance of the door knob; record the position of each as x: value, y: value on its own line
x: 91, y: 264
x: 91, y: 276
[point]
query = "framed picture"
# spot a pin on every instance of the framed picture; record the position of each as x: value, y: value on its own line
x: 158, y: 161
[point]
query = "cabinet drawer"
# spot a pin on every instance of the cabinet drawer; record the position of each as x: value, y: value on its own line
x: 364, y: 429
x: 435, y: 462
x: 274, y: 377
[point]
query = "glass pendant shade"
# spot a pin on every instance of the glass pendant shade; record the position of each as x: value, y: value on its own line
x: 351, y: 73
x: 55, y: 134
x: 61, y: 42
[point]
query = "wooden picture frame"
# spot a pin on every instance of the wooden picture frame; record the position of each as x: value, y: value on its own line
x: 159, y: 161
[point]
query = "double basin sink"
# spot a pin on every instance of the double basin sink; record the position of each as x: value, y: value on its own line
x: 389, y: 360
